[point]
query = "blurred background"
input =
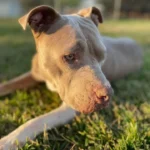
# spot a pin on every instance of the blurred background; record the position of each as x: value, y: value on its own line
x: 110, y: 8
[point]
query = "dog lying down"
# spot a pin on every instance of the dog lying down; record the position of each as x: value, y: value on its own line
x: 76, y: 61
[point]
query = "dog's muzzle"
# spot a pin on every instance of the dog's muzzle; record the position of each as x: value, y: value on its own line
x: 102, y: 95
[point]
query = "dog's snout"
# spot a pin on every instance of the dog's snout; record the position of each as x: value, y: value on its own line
x: 102, y: 98
x: 103, y: 95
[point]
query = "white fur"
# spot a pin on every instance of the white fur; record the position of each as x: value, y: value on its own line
x: 37, y: 125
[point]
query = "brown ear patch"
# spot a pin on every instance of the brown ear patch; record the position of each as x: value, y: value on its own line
x: 93, y: 13
x: 39, y: 18
x: 97, y: 13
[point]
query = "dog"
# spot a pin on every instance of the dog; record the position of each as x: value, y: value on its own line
x: 73, y: 59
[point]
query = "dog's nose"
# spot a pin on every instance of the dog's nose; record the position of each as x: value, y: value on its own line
x: 103, y: 95
x: 104, y: 98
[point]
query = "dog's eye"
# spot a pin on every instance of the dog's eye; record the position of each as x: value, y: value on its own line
x: 70, y: 57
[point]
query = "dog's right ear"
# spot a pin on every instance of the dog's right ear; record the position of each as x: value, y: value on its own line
x: 39, y: 18
x: 93, y: 13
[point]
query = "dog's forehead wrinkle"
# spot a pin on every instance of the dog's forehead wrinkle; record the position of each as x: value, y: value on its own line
x: 69, y: 33
x: 74, y: 21
x: 81, y: 25
x: 88, y: 31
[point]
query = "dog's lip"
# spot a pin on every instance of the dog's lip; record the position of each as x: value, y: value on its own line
x: 91, y: 104
x: 102, y: 104
x: 97, y: 107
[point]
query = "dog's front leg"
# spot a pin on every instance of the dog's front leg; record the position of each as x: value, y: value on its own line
x: 37, y: 125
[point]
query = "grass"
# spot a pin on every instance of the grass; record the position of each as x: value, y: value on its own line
x: 125, y: 125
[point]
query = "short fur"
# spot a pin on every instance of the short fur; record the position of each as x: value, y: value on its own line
x: 96, y: 60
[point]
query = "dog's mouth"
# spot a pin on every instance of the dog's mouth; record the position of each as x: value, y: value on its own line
x: 97, y: 107
x: 100, y: 99
x: 92, y: 100
x: 90, y: 105
x: 101, y: 103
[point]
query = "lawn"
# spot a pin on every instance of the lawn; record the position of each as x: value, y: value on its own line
x: 124, y: 125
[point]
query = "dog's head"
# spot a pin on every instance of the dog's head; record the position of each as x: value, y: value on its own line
x: 70, y: 55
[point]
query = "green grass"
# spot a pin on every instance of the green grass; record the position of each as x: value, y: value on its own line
x: 124, y: 125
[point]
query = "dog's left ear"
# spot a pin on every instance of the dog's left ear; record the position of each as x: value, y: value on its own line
x: 93, y: 13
